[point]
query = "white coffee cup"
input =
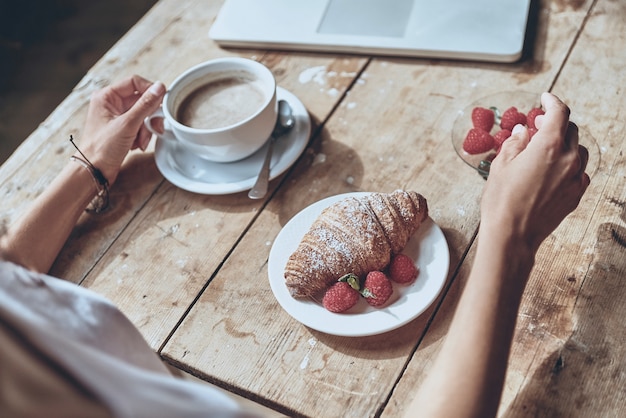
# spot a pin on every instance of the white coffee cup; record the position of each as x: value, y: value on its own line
x: 222, y: 110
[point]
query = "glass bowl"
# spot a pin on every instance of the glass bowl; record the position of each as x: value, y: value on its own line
x: 499, y: 102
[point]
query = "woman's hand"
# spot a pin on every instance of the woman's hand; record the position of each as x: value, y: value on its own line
x: 114, y: 122
x: 534, y: 185
x: 114, y: 125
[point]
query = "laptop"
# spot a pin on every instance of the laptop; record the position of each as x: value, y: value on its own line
x: 481, y: 30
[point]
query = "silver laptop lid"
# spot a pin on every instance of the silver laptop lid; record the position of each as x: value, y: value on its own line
x: 484, y: 30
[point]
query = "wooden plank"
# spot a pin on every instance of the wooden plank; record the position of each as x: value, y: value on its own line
x: 250, y: 407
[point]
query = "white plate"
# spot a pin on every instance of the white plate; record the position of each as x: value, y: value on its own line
x: 192, y: 173
x: 428, y: 247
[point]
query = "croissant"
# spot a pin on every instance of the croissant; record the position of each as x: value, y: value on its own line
x: 354, y: 235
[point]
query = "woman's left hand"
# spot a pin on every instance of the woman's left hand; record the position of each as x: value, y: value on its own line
x: 114, y: 122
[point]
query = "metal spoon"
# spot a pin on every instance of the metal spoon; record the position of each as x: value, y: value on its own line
x: 284, y: 122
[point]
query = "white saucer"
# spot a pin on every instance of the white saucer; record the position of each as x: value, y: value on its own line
x: 428, y: 247
x: 192, y: 173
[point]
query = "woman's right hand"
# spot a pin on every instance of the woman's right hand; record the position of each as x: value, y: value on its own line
x: 534, y: 185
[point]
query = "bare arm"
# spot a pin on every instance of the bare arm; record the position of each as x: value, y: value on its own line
x: 532, y: 186
x: 114, y: 126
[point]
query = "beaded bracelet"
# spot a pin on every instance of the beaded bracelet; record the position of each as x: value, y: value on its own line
x: 101, y: 201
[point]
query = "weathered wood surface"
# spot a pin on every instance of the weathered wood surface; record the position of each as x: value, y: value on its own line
x: 191, y: 270
x: 571, y: 334
x: 568, y: 357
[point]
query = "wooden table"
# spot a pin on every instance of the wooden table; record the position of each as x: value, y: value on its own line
x: 190, y: 270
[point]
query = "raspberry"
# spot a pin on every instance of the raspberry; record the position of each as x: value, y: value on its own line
x: 532, y: 114
x: 477, y: 141
x: 483, y: 118
x: 501, y: 136
x: 377, y: 288
x: 340, y: 297
x: 512, y: 117
x: 402, y: 269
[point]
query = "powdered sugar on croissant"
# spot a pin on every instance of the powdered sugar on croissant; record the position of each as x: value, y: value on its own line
x: 355, y: 235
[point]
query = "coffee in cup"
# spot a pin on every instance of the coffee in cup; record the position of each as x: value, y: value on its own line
x: 222, y: 110
x: 225, y: 101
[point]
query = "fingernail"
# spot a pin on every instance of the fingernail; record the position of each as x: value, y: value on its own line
x: 157, y: 88
x: 517, y: 128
